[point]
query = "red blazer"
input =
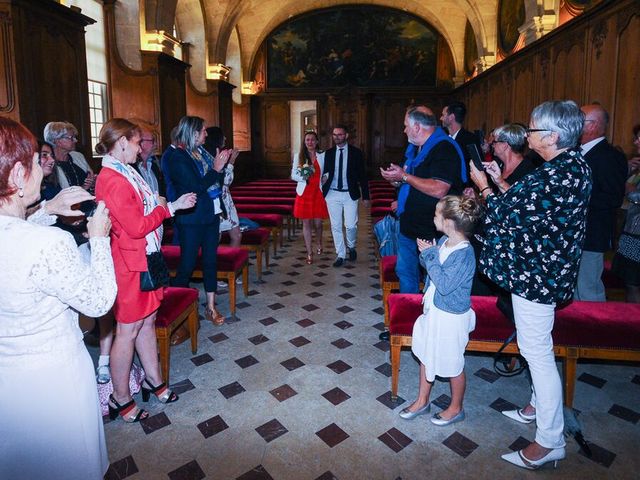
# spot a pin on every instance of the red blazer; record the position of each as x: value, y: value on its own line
x: 129, y: 224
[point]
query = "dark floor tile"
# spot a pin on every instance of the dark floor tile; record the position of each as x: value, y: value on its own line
x: 275, y: 306
x: 519, y: 443
x: 375, y: 276
x: 247, y: 361
x: 442, y: 401
x: 625, y: 413
x: 383, y: 345
x: 600, y: 455
x: 188, y: 471
x: 317, y: 284
x: 487, y: 375
x: 155, y: 422
x: 460, y: 444
x: 122, y: 468
x: 232, y: 319
x: 299, y: 341
x: 271, y: 430
x: 592, y: 380
x: 202, y: 359
x: 343, y: 324
x: 268, y: 321
x: 218, y: 337
x: 327, y: 476
x: 339, y: 366
x: 258, y: 339
x: 377, y: 297
x: 314, y: 294
x: 375, y: 286
x: 384, y: 369
x: 345, y: 309
x: 395, y: 439
x: 500, y: 405
x: 379, y: 326
x: 293, y: 274
x: 283, y: 293
x: 242, y: 305
x: 320, y: 274
x: 346, y: 296
x: 253, y: 293
x: 378, y: 310
x: 636, y: 380
x: 336, y: 396
x: 347, y: 285
x: 288, y: 283
x: 348, y: 275
x: 210, y: 427
x: 332, y: 435
x: 182, y: 386
x: 283, y: 392
x: 341, y: 343
x: 257, y: 473
x: 231, y: 390
x: 305, y: 322
x: 292, y: 363
x: 310, y: 308
x: 388, y: 402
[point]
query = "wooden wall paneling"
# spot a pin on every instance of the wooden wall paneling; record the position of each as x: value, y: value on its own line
x: 202, y: 104
x: 626, y: 113
x: 242, y: 125
x: 277, y: 138
x: 45, y: 75
x: 522, y: 92
x: 544, y: 75
x: 225, y: 108
x: 388, y: 141
x: 172, y: 91
x: 601, y: 63
x: 497, y: 105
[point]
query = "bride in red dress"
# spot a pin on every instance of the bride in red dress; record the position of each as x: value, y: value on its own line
x: 309, y: 206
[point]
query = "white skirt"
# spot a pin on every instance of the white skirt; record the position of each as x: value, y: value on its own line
x: 50, y: 421
x: 440, y: 339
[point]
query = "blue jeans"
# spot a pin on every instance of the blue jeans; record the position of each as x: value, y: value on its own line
x: 408, y: 265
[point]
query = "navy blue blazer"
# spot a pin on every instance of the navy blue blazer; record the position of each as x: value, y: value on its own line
x: 184, y: 177
x: 356, y: 175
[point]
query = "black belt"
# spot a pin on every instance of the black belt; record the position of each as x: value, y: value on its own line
x: 337, y: 190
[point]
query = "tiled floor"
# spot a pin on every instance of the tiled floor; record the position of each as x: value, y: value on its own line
x: 297, y: 387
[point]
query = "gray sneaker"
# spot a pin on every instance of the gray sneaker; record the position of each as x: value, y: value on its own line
x: 103, y: 374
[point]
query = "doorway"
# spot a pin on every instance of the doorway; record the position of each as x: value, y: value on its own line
x: 304, y: 117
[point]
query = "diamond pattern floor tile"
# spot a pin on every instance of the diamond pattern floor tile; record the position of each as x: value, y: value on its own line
x: 332, y: 435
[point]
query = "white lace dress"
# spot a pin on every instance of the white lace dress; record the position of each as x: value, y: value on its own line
x: 232, y: 219
x: 50, y: 422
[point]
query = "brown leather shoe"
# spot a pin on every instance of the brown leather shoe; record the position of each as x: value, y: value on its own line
x: 180, y: 335
x: 214, y: 317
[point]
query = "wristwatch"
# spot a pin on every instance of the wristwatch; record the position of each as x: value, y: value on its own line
x: 404, y: 178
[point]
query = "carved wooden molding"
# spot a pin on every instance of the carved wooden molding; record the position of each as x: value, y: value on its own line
x: 599, y: 35
x: 7, y: 60
x: 625, y: 16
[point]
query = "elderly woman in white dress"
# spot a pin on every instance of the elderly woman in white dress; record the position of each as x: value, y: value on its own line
x: 50, y: 421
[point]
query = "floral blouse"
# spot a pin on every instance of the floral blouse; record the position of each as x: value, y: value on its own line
x: 534, y: 232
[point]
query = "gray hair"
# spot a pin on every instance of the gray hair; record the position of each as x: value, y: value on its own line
x: 188, y: 130
x: 56, y: 130
x: 417, y: 115
x: 563, y: 117
x: 513, y: 135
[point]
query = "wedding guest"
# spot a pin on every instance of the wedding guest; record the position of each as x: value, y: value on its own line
x: 310, y: 205
x: 72, y: 168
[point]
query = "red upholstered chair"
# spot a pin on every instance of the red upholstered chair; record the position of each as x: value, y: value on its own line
x: 231, y: 263
x: 388, y: 282
x: 256, y: 240
x: 285, y: 210
x: 273, y: 222
x: 178, y: 305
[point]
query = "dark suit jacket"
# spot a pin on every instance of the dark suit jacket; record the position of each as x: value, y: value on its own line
x: 356, y: 174
x: 184, y: 176
x: 609, y: 173
x: 155, y: 168
x: 464, y: 138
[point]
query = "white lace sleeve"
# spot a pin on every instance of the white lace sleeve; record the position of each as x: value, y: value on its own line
x: 41, y: 217
x: 88, y: 288
x: 228, y: 175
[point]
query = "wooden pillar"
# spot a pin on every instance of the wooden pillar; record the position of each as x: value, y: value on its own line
x: 43, y: 66
x: 225, y: 108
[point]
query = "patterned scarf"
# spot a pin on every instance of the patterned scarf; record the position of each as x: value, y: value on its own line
x: 149, y: 200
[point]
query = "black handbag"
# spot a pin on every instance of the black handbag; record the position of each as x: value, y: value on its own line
x: 157, y: 274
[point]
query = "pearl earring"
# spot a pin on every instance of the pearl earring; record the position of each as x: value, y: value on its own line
x: 20, y: 192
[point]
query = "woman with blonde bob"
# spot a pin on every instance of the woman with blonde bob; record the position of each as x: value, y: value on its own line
x: 136, y: 213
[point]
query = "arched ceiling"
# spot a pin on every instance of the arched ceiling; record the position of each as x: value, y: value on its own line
x: 208, y: 24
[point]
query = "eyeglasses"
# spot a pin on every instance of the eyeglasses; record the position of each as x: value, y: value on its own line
x: 529, y: 131
x: 147, y: 140
x: 70, y: 137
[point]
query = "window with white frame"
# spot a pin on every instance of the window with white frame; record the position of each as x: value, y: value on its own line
x: 97, y: 109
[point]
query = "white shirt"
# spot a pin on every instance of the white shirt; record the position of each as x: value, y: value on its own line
x: 584, y: 149
x: 345, y: 157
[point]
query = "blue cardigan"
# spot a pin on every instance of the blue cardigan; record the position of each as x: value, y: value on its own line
x: 452, y: 279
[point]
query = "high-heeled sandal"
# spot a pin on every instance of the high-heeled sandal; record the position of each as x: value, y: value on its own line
x: 319, y: 251
x: 125, y: 411
x: 214, y: 317
x: 161, y: 391
x: 309, y: 259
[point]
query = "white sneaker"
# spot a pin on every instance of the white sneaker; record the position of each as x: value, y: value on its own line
x: 103, y: 374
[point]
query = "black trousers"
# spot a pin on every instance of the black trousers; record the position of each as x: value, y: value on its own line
x: 192, y: 239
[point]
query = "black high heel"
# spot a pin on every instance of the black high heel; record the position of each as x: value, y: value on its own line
x: 116, y: 409
x: 169, y: 397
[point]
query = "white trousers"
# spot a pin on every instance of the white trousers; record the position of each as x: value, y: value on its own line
x: 534, y: 323
x: 342, y: 210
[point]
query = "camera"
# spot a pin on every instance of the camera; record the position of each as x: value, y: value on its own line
x: 88, y: 207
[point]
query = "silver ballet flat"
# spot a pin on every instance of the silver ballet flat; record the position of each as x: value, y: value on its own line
x: 519, y: 460
x: 519, y: 416
x: 441, y: 422
x: 407, y: 415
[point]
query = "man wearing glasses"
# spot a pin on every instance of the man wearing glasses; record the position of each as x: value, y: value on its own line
x: 148, y: 165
